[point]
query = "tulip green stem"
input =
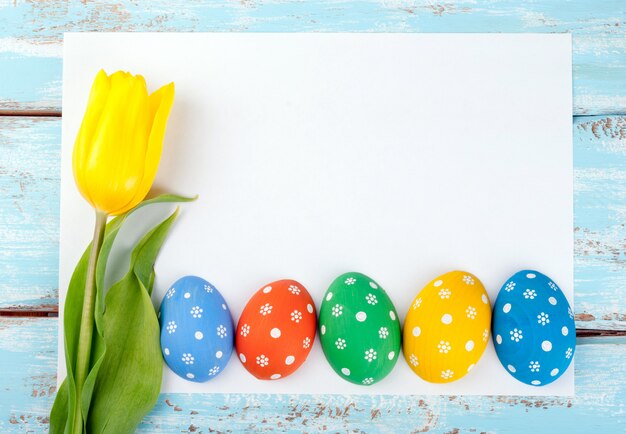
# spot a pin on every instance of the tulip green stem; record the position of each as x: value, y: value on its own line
x: 87, y: 319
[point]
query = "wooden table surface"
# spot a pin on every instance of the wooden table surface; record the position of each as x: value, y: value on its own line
x: 31, y: 40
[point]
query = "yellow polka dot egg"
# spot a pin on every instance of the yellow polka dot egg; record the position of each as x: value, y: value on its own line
x: 446, y: 329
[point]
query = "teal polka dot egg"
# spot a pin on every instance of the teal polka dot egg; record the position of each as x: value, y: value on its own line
x: 533, y: 328
x: 196, y: 329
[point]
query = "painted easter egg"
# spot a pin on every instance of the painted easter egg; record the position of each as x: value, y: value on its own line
x: 196, y: 329
x: 446, y: 329
x: 276, y: 330
x: 359, y: 329
x: 533, y: 328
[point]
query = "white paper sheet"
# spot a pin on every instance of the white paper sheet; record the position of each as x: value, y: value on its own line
x: 402, y: 156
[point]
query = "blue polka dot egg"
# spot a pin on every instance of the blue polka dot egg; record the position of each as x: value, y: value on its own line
x: 533, y: 328
x: 196, y: 329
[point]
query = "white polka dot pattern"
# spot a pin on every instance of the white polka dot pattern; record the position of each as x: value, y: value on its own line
x: 534, y: 316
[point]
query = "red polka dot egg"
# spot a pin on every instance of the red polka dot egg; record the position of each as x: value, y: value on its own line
x: 276, y: 330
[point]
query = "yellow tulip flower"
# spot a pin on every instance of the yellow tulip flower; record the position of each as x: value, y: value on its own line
x: 115, y: 160
x: 118, y: 147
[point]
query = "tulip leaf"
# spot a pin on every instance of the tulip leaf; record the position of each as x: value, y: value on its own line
x: 129, y: 380
x: 99, y: 344
x: 59, y: 413
x: 62, y: 414
x: 163, y: 198
x: 63, y: 409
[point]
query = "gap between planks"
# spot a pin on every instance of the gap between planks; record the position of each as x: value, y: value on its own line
x: 26, y: 313
x: 32, y: 113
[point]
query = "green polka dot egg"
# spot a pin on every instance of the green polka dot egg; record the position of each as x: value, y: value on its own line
x: 359, y: 329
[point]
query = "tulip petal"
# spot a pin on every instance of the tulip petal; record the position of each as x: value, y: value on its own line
x: 106, y: 139
x: 160, y: 106
x: 120, y: 144
x: 97, y: 99
x: 118, y: 147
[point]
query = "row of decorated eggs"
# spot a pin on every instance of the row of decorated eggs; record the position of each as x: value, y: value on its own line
x: 445, y: 332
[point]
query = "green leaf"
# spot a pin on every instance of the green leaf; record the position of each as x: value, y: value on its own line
x: 112, y: 229
x: 164, y: 198
x: 59, y: 412
x: 63, y: 410
x: 129, y: 380
x: 99, y: 345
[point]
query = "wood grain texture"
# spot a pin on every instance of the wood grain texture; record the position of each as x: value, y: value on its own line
x: 29, y: 221
x: 31, y: 33
x: 599, y: 222
x: 29, y: 212
x: 28, y: 367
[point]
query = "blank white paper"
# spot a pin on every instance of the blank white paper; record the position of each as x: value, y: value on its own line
x: 401, y: 156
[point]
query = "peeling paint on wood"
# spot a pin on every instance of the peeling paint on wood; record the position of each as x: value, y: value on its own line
x: 27, y: 378
x: 29, y: 211
x: 31, y: 33
x: 599, y: 221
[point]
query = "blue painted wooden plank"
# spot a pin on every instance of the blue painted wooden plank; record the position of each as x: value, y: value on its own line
x: 29, y: 82
x: 31, y: 33
x: 29, y: 217
x: 27, y: 376
x: 29, y: 211
x: 599, y: 218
